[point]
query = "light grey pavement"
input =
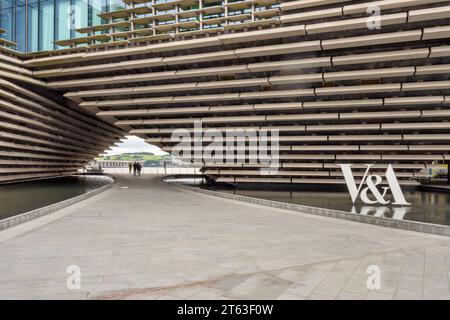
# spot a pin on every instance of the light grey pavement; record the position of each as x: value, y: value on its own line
x: 143, y: 239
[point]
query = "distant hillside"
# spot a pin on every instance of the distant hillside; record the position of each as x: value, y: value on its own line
x: 139, y: 156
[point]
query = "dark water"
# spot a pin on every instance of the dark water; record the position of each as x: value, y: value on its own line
x: 429, y: 207
x: 22, y: 197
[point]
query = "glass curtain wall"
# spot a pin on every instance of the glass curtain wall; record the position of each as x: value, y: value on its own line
x: 7, y: 19
x: 35, y: 24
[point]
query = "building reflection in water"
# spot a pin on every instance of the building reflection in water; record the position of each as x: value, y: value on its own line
x: 429, y: 207
x: 397, y: 213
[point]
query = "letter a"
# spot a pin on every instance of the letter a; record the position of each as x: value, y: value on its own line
x: 395, y: 188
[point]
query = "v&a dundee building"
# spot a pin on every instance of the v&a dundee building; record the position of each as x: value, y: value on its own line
x: 339, y: 85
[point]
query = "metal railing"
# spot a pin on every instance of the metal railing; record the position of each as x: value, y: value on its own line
x: 155, y: 170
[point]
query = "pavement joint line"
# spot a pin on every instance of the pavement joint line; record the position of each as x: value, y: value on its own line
x: 127, y: 293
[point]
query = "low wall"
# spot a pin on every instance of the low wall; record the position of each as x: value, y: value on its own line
x: 156, y: 170
x: 379, y: 221
x: 30, y: 215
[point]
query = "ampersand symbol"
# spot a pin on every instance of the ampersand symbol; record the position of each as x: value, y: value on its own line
x: 372, y: 182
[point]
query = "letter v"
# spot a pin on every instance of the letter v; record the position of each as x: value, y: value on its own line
x: 351, y: 184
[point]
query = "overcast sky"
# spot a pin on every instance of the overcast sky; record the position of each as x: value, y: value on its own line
x: 134, y: 144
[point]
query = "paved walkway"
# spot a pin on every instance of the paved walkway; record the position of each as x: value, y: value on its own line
x: 144, y: 239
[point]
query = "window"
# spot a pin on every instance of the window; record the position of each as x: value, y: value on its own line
x: 63, y: 19
x: 46, y: 24
x: 35, y: 24
x: 20, y: 29
x: 7, y: 19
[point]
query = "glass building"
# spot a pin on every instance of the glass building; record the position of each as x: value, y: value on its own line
x: 35, y: 24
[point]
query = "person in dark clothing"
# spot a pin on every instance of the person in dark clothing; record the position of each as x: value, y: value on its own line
x: 139, y: 168
x: 134, y: 168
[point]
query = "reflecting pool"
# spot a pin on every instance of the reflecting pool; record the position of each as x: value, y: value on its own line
x: 429, y: 207
x: 26, y: 196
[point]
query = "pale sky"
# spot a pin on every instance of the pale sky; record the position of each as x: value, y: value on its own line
x: 134, y: 144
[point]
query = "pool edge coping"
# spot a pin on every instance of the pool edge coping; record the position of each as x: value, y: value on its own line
x: 40, y: 212
x: 423, y: 227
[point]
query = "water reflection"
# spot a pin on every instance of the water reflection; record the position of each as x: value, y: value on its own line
x: 430, y: 207
x: 22, y: 197
x: 397, y: 213
x: 426, y: 206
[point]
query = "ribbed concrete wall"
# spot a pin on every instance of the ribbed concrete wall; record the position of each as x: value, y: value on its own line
x: 40, y: 137
x: 338, y: 91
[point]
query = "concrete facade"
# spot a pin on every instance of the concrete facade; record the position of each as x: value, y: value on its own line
x: 42, y: 136
x: 337, y: 89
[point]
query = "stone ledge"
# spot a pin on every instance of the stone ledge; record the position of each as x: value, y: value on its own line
x: 34, y: 214
x: 384, y: 222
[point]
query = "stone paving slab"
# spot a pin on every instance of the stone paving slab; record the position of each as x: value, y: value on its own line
x: 155, y: 241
